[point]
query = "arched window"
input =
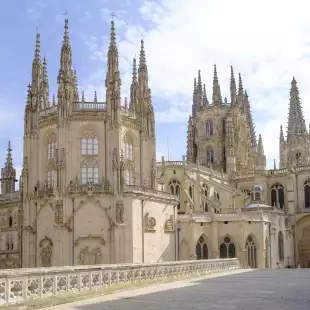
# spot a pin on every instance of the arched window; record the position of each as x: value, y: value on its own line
x: 191, y: 191
x: 174, y: 186
x: 202, y: 248
x: 10, y: 221
x: 51, y: 177
x: 277, y: 195
x: 90, y: 171
x: 210, y: 156
x: 204, y: 190
x: 128, y: 146
x: 51, y: 145
x: 307, y: 193
x: 129, y: 176
x: 227, y: 248
x: 209, y: 128
x: 251, y: 252
x: 89, y: 143
x: 281, y: 246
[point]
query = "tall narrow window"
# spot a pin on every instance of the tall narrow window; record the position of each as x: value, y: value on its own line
x: 129, y: 177
x: 277, y: 195
x: 307, y: 193
x: 128, y: 147
x: 51, y: 145
x: 210, y: 156
x: 90, y: 171
x: 202, y: 248
x: 51, y: 178
x: 281, y: 246
x: 251, y: 252
x: 209, y: 128
x: 89, y: 143
x: 174, y: 186
x: 227, y: 248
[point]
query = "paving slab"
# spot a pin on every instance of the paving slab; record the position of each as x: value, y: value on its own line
x: 268, y: 289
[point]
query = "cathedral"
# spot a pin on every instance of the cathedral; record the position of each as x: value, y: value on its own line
x: 91, y: 191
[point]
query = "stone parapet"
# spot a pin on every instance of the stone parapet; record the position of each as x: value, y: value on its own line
x: 34, y: 285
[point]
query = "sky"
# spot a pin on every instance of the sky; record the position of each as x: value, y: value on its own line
x: 267, y: 41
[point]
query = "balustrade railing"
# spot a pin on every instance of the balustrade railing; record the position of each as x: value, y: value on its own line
x: 22, y: 286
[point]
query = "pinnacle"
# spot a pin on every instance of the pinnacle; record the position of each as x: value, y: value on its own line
x: 37, y: 49
x: 9, y: 161
x: 134, y: 70
x: 113, y: 46
x: 142, y: 60
x: 240, y: 87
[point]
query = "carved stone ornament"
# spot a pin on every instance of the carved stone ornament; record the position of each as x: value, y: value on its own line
x: 120, y: 213
x: 169, y: 224
x: 46, y: 245
x: 59, y: 212
x: 149, y: 223
x: 91, y: 238
x: 89, y: 256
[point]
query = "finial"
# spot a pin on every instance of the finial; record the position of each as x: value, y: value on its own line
x: 83, y: 97
x: 95, y: 97
x: 54, y: 100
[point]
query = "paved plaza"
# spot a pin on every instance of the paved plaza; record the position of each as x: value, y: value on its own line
x: 285, y: 289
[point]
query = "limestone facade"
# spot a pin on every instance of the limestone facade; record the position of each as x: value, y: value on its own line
x: 91, y: 191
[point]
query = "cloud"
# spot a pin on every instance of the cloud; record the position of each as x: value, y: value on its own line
x: 267, y: 41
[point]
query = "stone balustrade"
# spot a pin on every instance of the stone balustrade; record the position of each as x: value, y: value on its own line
x: 34, y: 285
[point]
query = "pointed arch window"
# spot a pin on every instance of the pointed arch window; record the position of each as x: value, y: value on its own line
x: 129, y: 176
x: 89, y: 143
x: 227, y: 248
x: 51, y: 146
x: 250, y: 246
x: 277, y: 195
x: 128, y: 147
x: 210, y: 156
x: 202, y: 248
x: 209, y: 127
x: 174, y: 186
x: 281, y: 246
x: 51, y: 177
x: 307, y: 193
x: 90, y: 171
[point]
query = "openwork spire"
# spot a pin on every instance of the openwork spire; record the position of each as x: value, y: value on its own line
x: 296, y: 121
x: 249, y: 118
x: 281, y: 134
x: 233, y: 88
x: 194, y: 107
x: 260, y: 147
x: 8, y: 173
x: 36, y: 67
x: 216, y: 96
x: 134, y: 87
x: 37, y: 52
x: 240, y: 86
x: 204, y: 97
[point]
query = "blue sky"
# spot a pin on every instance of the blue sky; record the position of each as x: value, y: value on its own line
x: 267, y: 46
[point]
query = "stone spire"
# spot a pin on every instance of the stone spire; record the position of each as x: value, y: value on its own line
x: 8, y: 174
x: 296, y: 121
x: 240, y: 86
x: 281, y: 134
x: 274, y: 165
x: 216, y: 96
x: 249, y: 118
x: 66, y: 54
x: 142, y: 71
x: 194, y: 104
x: 134, y: 88
x: 199, y: 92
x: 261, y: 158
x: 205, y: 101
x: 76, y: 87
x: 233, y: 88
x: 36, y: 67
x: 45, y: 84
x: 260, y: 147
x: 113, y: 80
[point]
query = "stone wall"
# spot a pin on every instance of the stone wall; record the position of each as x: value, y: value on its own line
x: 34, y: 285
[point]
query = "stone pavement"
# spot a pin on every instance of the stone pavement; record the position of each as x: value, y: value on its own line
x: 285, y: 289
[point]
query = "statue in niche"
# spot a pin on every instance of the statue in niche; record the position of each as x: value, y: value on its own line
x: 46, y: 252
x: 149, y: 223
x: 9, y: 243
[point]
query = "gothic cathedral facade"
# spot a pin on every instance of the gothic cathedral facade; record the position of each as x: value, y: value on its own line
x: 91, y: 191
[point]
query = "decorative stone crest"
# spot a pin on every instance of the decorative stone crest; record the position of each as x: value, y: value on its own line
x: 169, y: 224
x: 90, y: 257
x: 149, y: 223
x: 46, y: 252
